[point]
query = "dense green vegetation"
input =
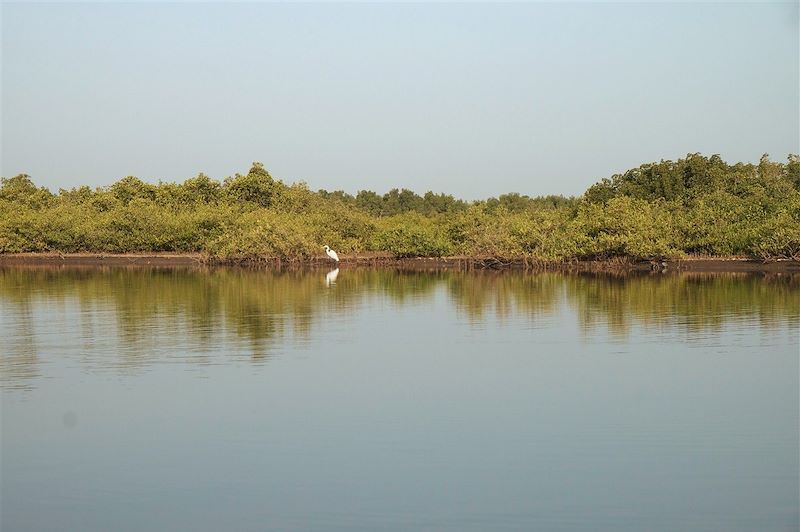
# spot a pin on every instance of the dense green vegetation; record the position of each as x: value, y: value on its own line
x: 695, y: 205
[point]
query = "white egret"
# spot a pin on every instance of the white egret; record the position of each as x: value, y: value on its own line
x: 331, y: 253
x: 331, y: 276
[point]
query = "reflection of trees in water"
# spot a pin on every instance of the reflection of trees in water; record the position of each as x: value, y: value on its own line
x: 505, y: 293
x: 18, y: 353
x: 694, y: 302
x: 145, y: 316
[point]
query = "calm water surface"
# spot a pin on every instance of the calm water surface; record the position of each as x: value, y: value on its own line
x: 188, y: 399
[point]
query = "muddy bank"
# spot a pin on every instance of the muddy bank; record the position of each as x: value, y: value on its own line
x: 103, y: 259
x: 699, y: 264
x: 712, y: 265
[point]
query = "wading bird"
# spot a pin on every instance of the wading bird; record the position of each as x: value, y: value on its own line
x: 331, y: 253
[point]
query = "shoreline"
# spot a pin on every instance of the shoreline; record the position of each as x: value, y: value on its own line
x: 167, y: 259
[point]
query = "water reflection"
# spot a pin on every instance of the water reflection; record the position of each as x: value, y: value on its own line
x: 695, y: 302
x: 146, y: 316
x: 330, y: 277
x: 394, y: 400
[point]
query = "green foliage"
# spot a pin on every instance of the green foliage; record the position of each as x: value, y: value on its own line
x: 201, y: 189
x: 21, y: 190
x: 626, y: 227
x: 412, y: 235
x: 398, y: 201
x: 519, y: 203
x: 778, y: 235
x: 130, y: 188
x: 694, y: 205
x: 792, y: 171
x: 719, y: 224
x: 668, y: 180
x: 256, y: 188
x: 265, y: 234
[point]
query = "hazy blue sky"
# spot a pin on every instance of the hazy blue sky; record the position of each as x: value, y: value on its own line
x: 471, y: 99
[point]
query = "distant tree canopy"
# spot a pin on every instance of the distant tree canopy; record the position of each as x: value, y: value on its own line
x: 696, y: 175
x: 397, y: 201
x: 697, y: 204
x: 20, y: 189
x: 257, y: 187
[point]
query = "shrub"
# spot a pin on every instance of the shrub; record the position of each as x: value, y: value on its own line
x: 778, y: 237
x: 411, y: 235
x: 626, y: 226
x: 693, y: 205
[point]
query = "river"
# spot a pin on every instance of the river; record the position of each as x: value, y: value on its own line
x: 376, y: 399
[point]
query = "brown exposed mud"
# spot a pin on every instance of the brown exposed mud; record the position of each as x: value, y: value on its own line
x: 697, y: 264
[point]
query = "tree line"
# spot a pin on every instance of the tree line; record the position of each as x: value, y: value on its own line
x: 695, y: 205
